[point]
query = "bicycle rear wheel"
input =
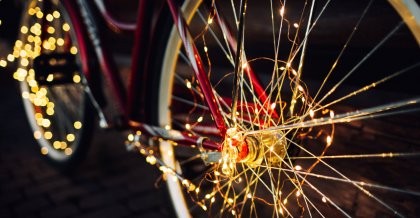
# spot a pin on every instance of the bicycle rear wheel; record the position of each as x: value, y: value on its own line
x: 332, y: 86
x: 50, y: 81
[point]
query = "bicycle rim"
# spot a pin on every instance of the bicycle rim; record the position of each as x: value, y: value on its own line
x: 324, y: 161
x: 57, y: 111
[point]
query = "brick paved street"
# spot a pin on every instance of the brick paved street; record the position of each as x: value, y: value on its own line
x: 111, y: 183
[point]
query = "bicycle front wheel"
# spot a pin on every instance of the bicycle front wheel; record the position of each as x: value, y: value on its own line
x: 50, y: 81
x: 335, y: 134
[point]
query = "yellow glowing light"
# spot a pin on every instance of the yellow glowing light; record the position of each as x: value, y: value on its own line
x: 57, y: 145
x: 200, y: 119
x: 60, y: 41
x: 3, y: 63
x: 10, y: 57
x: 16, y: 53
x: 205, y: 49
x: 300, y: 88
x: 297, y: 193
x: 296, y: 25
x: 15, y: 76
x: 213, y: 199
x: 324, y: 199
x: 24, y: 29
x: 50, y: 111
x: 39, y: 14
x: 204, y: 207
x: 28, y: 48
x: 50, y: 77
x: 285, y: 201
x: 249, y: 195
x: 130, y: 137
x: 31, y: 11
x: 25, y: 95
x: 44, y: 150
x: 46, y: 123
x: 187, y: 126
x: 282, y: 11
x: 329, y: 140
x: 22, y: 53
x: 18, y: 43
x: 189, y: 84
x: 77, y: 125
x: 245, y: 65
x: 311, y: 113
x: 46, y: 45
x: 273, y: 106
x: 50, y: 30
x: 70, y: 137
x: 332, y: 114
x: 68, y: 151
x: 76, y: 78
x: 49, y: 17
x: 56, y: 14
x: 48, y: 135
x: 37, y: 39
x: 142, y: 151
x: 66, y: 27
x: 31, y: 38
x: 210, y: 20
x: 24, y: 62
x: 37, y: 134
x: 73, y: 50
x: 63, y: 145
x: 38, y: 115
x: 298, y: 167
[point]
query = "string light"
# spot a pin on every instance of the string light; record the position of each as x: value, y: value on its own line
x: 223, y: 184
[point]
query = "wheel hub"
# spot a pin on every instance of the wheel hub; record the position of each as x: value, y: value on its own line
x: 252, y: 149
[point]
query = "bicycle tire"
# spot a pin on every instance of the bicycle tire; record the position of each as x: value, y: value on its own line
x: 58, y: 110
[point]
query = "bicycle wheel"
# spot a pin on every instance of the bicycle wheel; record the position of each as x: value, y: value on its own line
x: 50, y: 81
x: 337, y: 134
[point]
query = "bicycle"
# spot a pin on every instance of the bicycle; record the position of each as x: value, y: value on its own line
x: 259, y: 149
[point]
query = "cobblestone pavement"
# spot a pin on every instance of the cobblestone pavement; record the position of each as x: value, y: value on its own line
x: 110, y: 183
x: 116, y: 183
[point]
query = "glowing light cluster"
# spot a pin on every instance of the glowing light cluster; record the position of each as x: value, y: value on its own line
x: 236, y: 179
x: 43, y: 32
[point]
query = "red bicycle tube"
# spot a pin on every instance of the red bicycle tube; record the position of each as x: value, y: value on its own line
x: 196, y: 63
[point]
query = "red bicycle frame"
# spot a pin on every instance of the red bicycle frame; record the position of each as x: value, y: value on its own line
x: 132, y: 101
